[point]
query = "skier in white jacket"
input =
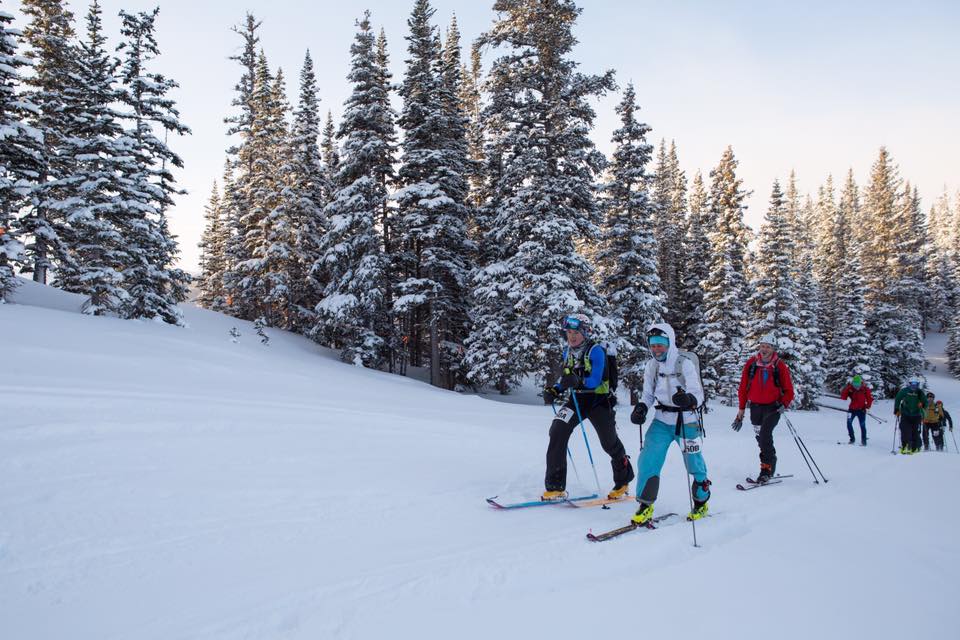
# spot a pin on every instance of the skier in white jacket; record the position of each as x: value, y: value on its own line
x: 671, y: 383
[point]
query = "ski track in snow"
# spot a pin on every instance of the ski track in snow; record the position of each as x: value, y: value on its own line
x: 166, y: 483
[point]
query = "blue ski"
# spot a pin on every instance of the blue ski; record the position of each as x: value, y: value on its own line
x: 537, y: 503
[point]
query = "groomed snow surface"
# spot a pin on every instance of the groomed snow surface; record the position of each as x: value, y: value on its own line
x: 167, y: 483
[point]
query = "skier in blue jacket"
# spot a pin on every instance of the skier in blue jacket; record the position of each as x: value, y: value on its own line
x: 586, y: 377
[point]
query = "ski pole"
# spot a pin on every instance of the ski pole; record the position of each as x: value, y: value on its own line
x: 877, y: 418
x: 893, y: 445
x: 827, y: 406
x: 954, y: 441
x: 576, y: 405
x: 810, y: 455
x: 793, y: 432
x: 682, y: 432
x: 553, y: 405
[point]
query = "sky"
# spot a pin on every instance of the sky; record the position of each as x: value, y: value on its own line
x: 815, y: 87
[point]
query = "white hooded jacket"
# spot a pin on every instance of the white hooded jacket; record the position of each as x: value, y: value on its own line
x: 660, y: 381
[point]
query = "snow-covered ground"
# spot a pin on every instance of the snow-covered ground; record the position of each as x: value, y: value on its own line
x: 167, y: 483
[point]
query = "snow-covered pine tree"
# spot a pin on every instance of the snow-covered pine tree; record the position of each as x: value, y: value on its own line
x: 849, y: 348
x: 98, y: 155
x: 906, y: 289
x: 154, y: 285
x: 21, y: 152
x: 353, y: 313
x: 696, y: 250
x: 940, y: 294
x: 829, y: 256
x: 887, y: 322
x: 721, y: 337
x: 330, y: 154
x: 240, y: 165
x: 212, y: 254
x: 432, y: 248
x: 626, y: 259
x: 49, y: 38
x: 810, y: 346
x: 773, y: 299
x: 851, y: 351
x: 543, y: 199
x: 472, y: 104
x: 669, y: 226
x: 302, y: 197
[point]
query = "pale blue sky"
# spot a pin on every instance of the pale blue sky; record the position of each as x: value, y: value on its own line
x: 816, y: 86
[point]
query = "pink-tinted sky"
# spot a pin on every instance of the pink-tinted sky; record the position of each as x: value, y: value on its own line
x: 814, y: 86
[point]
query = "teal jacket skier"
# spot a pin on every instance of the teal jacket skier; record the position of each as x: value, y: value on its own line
x: 671, y: 384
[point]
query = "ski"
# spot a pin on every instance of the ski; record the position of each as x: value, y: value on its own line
x: 776, y: 477
x: 650, y: 524
x: 754, y: 485
x: 599, y: 502
x: 537, y: 503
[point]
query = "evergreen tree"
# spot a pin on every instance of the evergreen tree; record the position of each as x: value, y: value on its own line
x: 829, y: 256
x: 940, y: 290
x: 894, y: 330
x: 808, y: 372
x: 331, y: 159
x: 696, y: 250
x: 49, y: 37
x: 669, y: 186
x: 721, y: 339
x: 212, y: 254
x: 851, y: 351
x: 353, y: 313
x: 472, y: 105
x: 303, y: 197
x: 236, y: 194
x: 153, y: 284
x: 99, y: 156
x: 21, y: 152
x: 542, y: 199
x: 432, y: 249
x: 627, y: 256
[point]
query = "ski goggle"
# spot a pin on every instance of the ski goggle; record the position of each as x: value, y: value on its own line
x: 658, y: 336
x: 572, y: 324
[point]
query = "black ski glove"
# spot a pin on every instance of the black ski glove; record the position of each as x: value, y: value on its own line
x: 684, y: 400
x: 570, y: 381
x: 737, y: 423
x: 639, y: 414
x: 550, y: 392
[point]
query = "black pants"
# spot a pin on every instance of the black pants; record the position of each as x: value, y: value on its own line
x: 603, y: 419
x: 927, y: 428
x: 910, y: 432
x: 764, y: 418
x: 936, y: 430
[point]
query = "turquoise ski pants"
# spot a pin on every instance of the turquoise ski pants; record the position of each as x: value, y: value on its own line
x: 657, y: 441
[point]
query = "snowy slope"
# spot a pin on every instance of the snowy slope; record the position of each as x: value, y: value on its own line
x: 166, y: 483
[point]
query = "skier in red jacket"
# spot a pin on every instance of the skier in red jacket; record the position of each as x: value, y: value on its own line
x: 860, y: 402
x: 765, y: 383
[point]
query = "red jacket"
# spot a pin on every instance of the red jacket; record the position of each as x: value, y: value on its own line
x: 859, y: 398
x: 766, y: 392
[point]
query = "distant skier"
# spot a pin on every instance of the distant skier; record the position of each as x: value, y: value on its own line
x: 932, y: 421
x: 584, y: 374
x: 860, y: 402
x: 765, y: 383
x: 938, y: 436
x: 909, y: 405
x: 673, y: 383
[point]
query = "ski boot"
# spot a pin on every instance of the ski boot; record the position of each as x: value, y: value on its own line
x: 553, y: 496
x: 643, y: 515
x: 619, y: 491
x: 766, y: 472
x: 699, y: 510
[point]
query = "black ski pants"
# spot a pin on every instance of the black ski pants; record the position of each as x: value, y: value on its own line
x: 927, y: 428
x: 936, y: 430
x: 597, y: 410
x: 764, y: 418
x: 910, y: 432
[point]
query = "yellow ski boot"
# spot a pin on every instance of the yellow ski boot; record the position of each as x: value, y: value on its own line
x: 699, y: 511
x: 553, y: 496
x: 643, y: 515
x: 618, y: 492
